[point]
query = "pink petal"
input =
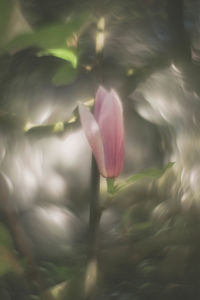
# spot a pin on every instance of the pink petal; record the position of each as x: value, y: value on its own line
x: 99, y: 100
x: 111, y: 126
x: 93, y: 135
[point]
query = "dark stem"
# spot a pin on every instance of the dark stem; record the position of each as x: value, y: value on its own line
x: 95, y: 212
x: 94, y: 219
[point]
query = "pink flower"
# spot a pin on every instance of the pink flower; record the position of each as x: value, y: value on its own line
x: 105, y: 131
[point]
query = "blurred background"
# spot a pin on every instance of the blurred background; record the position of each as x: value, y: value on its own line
x: 54, y: 54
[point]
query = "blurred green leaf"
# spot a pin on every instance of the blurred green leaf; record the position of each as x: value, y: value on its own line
x: 63, y: 53
x: 49, y: 37
x: 8, y: 262
x: 66, y: 74
x: 5, y: 237
x: 6, y: 7
x: 152, y: 173
x: 148, y: 173
x: 5, y: 265
x: 140, y: 230
x: 55, y: 274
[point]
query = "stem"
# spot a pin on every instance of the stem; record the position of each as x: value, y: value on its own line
x: 94, y: 209
x: 110, y: 185
x: 94, y: 219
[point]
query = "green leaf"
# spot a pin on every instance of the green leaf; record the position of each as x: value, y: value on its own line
x: 49, y: 37
x: 5, y: 265
x: 8, y: 262
x: 63, y: 53
x: 153, y: 173
x: 148, y: 173
x: 64, y: 75
x: 6, y: 7
x: 5, y: 237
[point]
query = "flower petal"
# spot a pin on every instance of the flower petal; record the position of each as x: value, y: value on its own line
x: 111, y: 126
x: 93, y: 135
x: 99, y: 100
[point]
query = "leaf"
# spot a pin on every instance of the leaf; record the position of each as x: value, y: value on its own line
x: 5, y: 237
x: 48, y: 37
x: 153, y: 173
x: 140, y: 230
x: 148, y: 173
x: 63, y: 53
x: 6, y: 7
x: 64, y: 75
x: 8, y: 262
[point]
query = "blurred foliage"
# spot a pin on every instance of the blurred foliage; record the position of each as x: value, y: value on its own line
x: 55, y: 274
x: 48, y: 37
x: 59, y: 40
x: 5, y: 237
x: 8, y: 260
x: 63, y: 53
x: 153, y: 173
x: 6, y: 7
x: 139, y: 230
x: 64, y: 75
